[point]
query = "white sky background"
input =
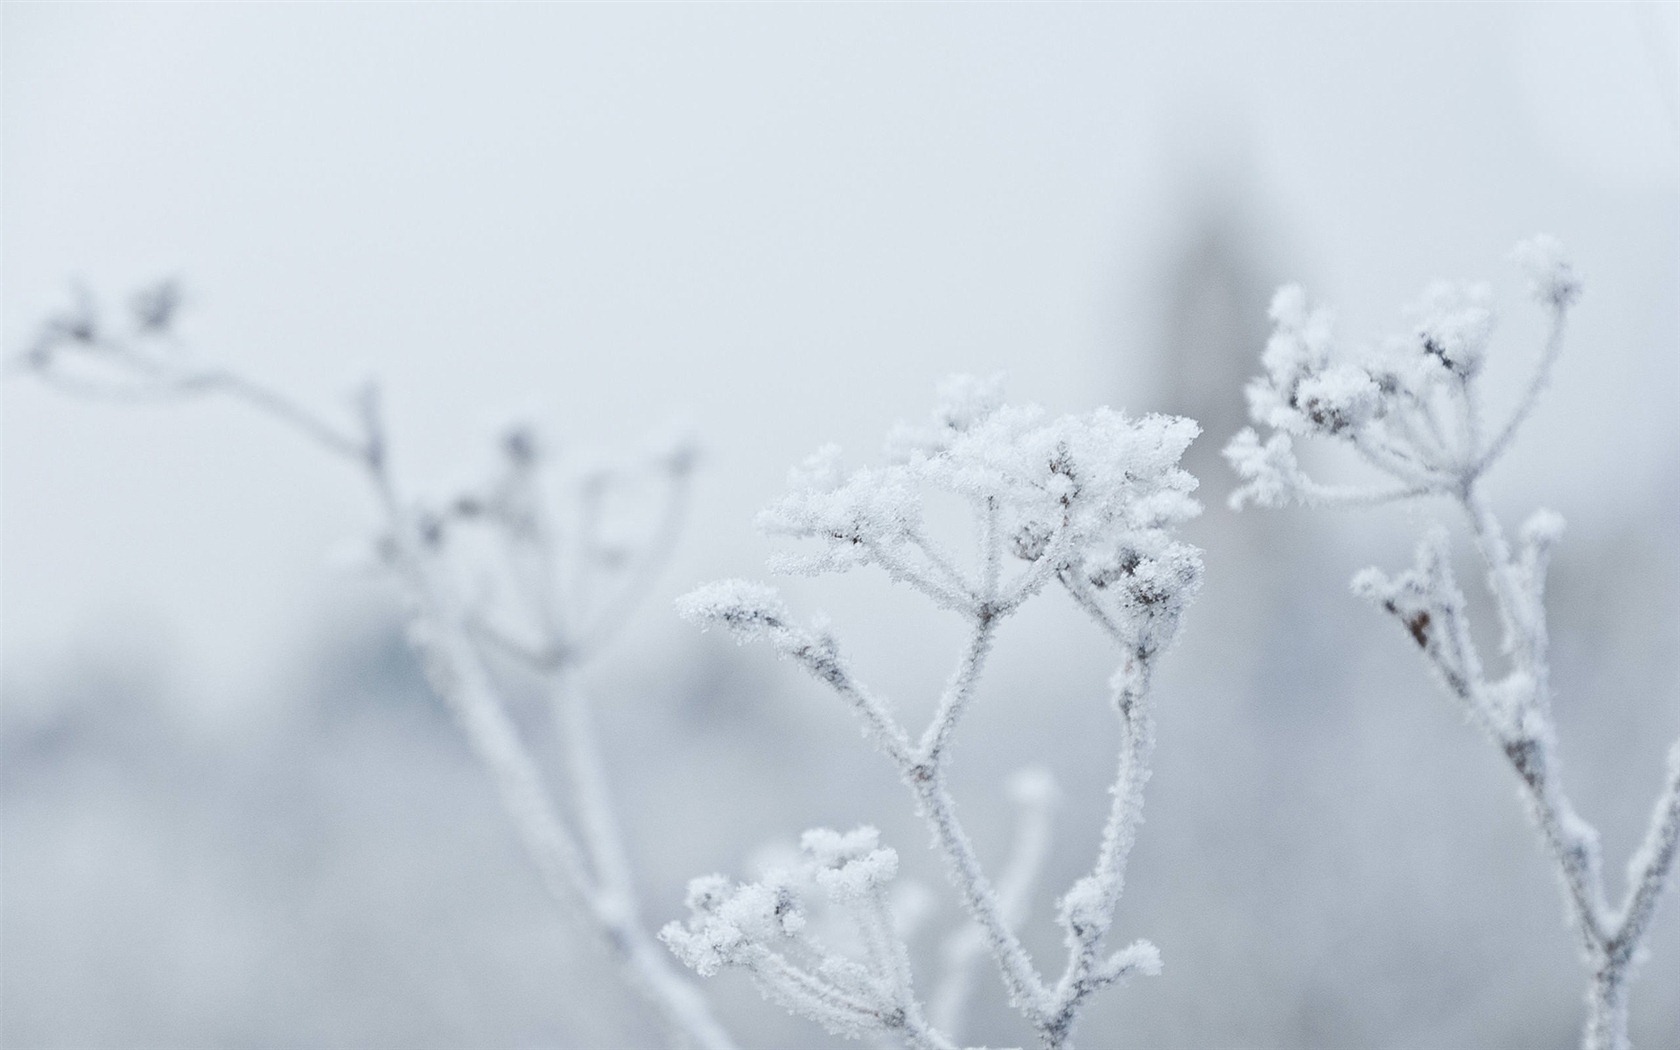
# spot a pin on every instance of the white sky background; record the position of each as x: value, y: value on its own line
x: 781, y: 224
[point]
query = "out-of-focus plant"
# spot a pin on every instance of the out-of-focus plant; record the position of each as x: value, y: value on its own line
x: 527, y: 569
x: 1412, y: 409
x: 1087, y: 504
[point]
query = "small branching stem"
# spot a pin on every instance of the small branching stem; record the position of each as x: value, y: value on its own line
x: 585, y: 873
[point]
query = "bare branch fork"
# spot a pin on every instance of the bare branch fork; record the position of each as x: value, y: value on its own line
x: 543, y: 579
x: 1414, y: 412
x: 1088, y: 502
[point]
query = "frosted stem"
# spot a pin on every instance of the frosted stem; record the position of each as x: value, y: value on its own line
x: 1536, y: 386
x: 1026, y: 989
x: 1607, y: 1010
x: 1033, y: 792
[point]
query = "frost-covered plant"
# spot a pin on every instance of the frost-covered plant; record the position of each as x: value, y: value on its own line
x: 526, y: 568
x: 1413, y: 410
x: 1089, y: 503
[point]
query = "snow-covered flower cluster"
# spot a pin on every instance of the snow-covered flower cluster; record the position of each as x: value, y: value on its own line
x: 1090, y: 503
x: 762, y: 928
x: 1409, y: 406
x: 1094, y: 496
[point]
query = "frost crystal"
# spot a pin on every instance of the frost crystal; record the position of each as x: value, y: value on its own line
x: 1552, y: 278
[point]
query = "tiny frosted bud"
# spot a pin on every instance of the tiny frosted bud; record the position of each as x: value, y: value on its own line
x: 965, y: 400
x: 1289, y: 307
x: 1372, y: 585
x: 1543, y: 529
x: 1455, y: 322
x: 1269, y: 471
x: 706, y: 892
x: 1552, y: 278
x: 850, y: 865
x: 821, y: 471
x: 1081, y: 909
x: 1342, y: 397
x: 1030, y: 541
x: 831, y: 848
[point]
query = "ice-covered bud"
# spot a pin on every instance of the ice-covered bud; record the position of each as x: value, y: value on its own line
x: 749, y: 610
x: 1298, y: 350
x: 1289, y: 307
x: 831, y: 848
x: 1539, y: 534
x: 727, y: 923
x: 1553, y: 280
x: 1271, y: 476
x: 1031, y: 540
x: 1342, y: 397
x: 1301, y: 337
x: 1371, y: 584
x: 849, y: 866
x: 1542, y: 529
x: 765, y: 910
x: 1419, y: 596
x: 966, y: 400
x: 706, y: 893
x: 963, y: 402
x: 1085, y: 910
x: 821, y: 471
x: 1454, y: 324
x: 1164, y: 582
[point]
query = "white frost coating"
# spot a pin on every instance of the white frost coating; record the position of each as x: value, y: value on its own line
x: 760, y: 928
x: 553, y: 593
x: 1087, y: 502
x: 1552, y: 277
x: 1425, y: 433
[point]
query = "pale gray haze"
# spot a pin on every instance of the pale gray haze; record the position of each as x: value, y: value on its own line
x: 236, y: 813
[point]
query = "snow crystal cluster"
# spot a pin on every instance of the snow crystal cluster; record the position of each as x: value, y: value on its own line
x: 1087, y: 503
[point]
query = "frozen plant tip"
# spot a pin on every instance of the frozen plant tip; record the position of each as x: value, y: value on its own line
x: 1412, y: 409
x: 1088, y: 504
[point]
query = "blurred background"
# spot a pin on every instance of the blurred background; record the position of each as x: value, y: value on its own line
x: 234, y: 815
